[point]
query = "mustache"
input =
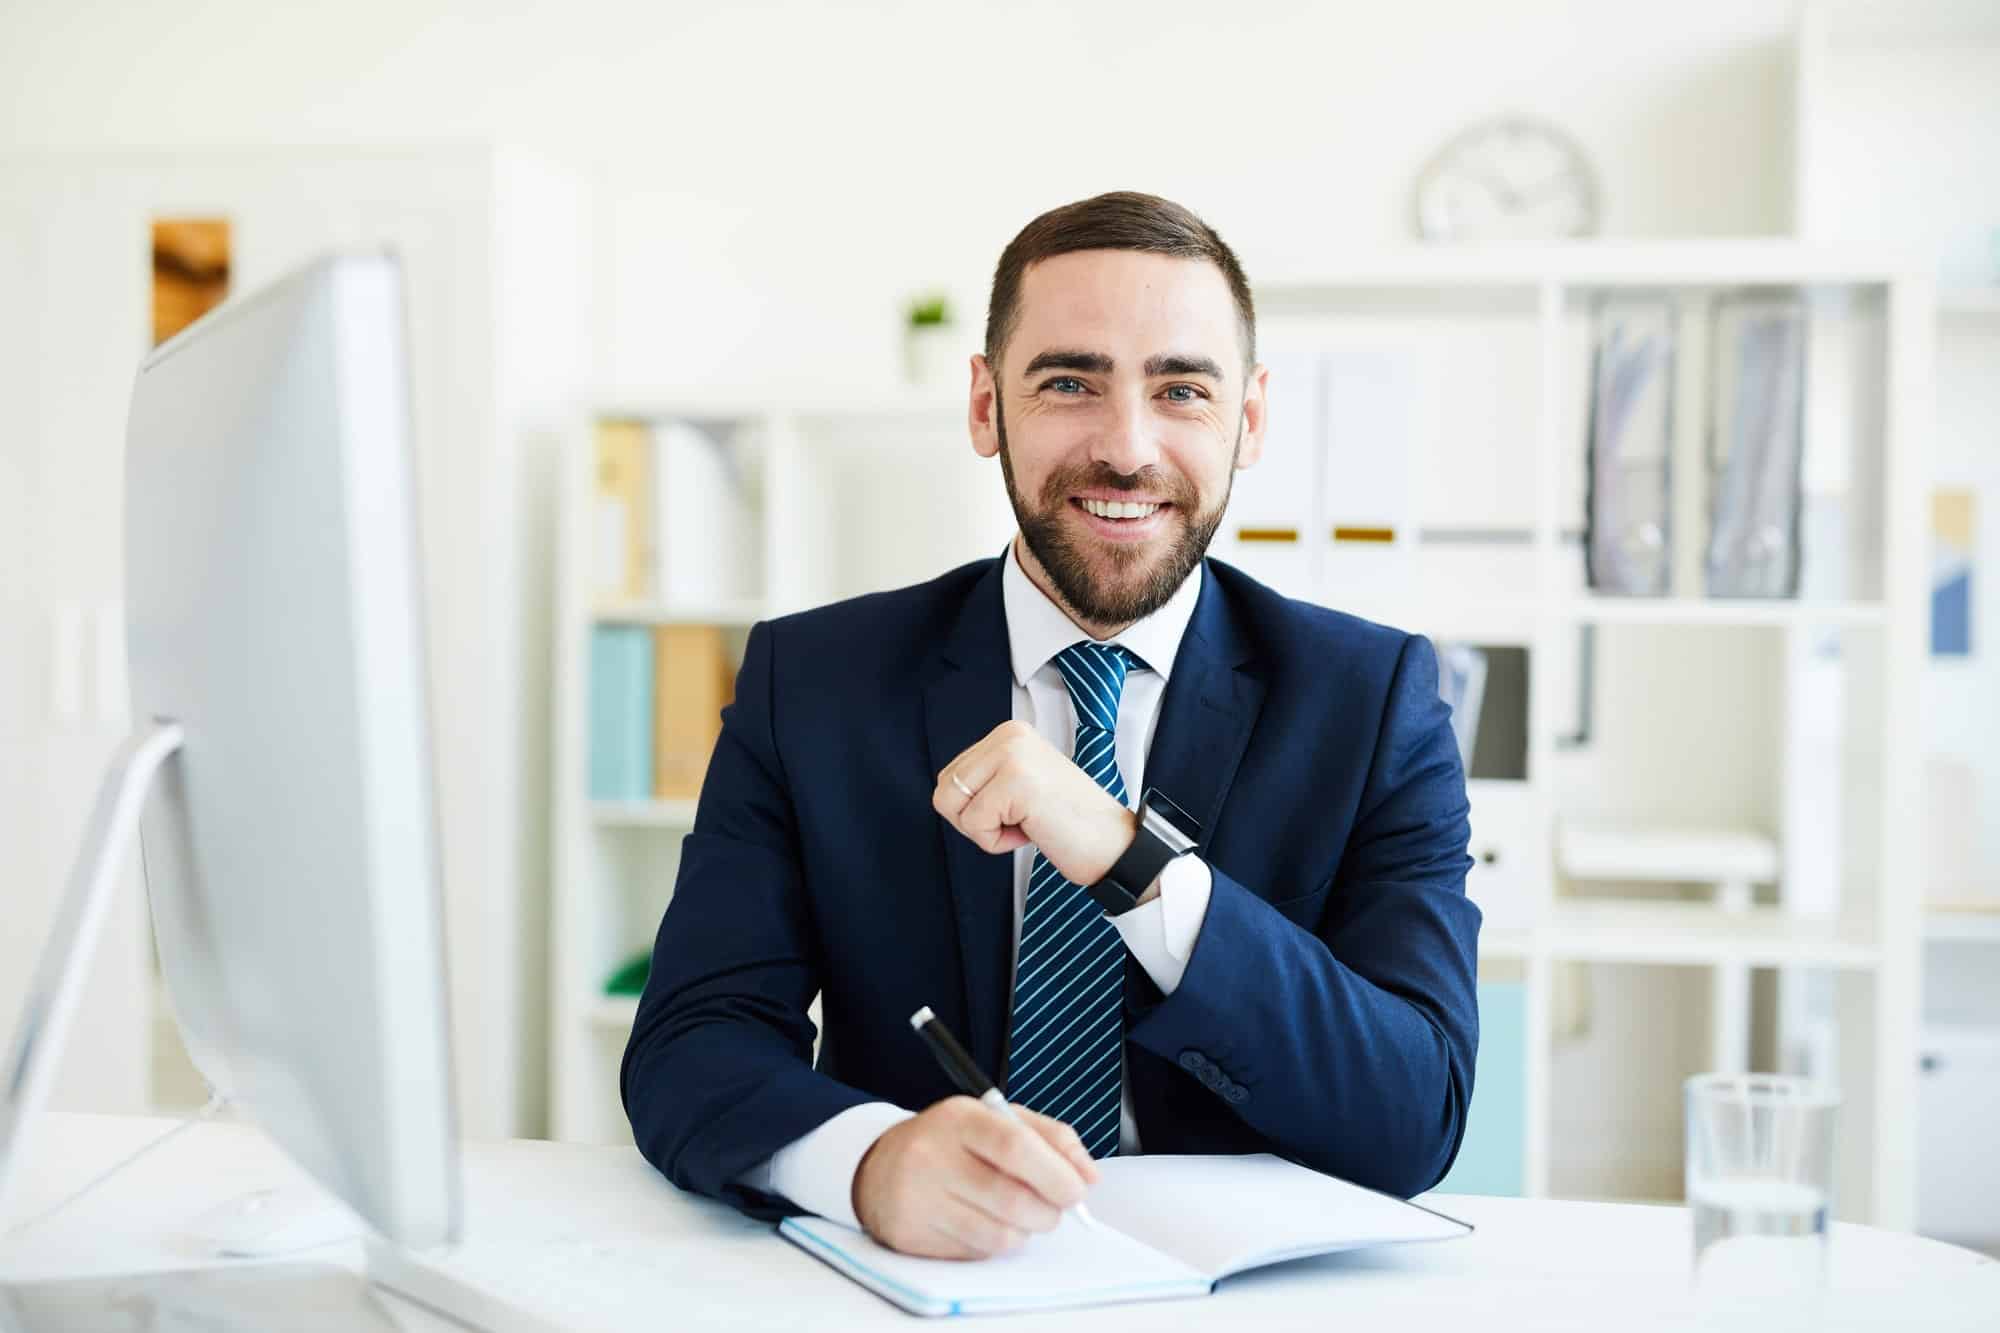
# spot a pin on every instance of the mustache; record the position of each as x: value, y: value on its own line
x: 1152, y: 480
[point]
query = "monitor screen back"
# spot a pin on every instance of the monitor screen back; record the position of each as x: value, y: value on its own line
x: 290, y: 847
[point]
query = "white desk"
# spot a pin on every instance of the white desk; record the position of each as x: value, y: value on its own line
x: 1532, y: 1263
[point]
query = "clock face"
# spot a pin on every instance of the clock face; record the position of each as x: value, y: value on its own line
x: 1507, y: 179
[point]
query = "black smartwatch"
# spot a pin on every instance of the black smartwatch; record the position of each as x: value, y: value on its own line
x: 1165, y: 832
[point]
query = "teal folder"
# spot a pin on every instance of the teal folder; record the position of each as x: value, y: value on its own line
x: 621, y: 713
x: 1489, y: 1159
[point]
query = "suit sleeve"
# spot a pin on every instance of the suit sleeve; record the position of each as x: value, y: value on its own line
x: 1349, y: 1047
x: 718, y: 1072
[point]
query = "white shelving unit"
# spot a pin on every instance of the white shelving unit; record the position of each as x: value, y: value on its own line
x: 1894, y: 111
x: 852, y: 495
x: 1499, y: 458
x: 1482, y: 549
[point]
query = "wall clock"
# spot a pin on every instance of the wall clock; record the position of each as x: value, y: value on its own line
x: 1509, y: 178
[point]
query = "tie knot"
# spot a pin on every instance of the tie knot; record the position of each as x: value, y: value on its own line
x: 1095, y: 674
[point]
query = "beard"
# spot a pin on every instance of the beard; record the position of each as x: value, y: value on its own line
x: 1140, y: 582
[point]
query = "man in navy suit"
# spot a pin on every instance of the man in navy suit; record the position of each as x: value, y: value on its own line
x: 949, y: 794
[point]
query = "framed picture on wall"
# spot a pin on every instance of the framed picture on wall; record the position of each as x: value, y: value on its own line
x: 190, y: 271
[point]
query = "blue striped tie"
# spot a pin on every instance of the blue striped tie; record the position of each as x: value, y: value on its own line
x: 1069, y: 1019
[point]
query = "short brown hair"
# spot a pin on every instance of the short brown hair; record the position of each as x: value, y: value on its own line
x: 1120, y: 220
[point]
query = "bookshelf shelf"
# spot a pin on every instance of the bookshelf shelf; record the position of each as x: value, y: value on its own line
x: 1694, y: 611
x: 1975, y: 306
x: 1970, y: 922
x: 1700, y: 934
x: 610, y: 1013
x: 735, y: 615
x: 643, y: 814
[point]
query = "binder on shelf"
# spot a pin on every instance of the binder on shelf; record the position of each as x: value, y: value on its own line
x: 621, y: 712
x: 1373, y: 441
x: 693, y: 683
x: 1490, y: 1155
x: 622, y: 558
x: 1756, y: 448
x: 709, y: 540
x: 1628, y: 533
x: 1462, y: 686
x: 1269, y: 524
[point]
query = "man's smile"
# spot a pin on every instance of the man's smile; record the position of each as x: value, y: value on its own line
x: 1122, y: 519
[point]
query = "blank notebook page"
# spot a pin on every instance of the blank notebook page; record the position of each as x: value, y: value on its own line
x: 1225, y: 1214
x: 1072, y: 1265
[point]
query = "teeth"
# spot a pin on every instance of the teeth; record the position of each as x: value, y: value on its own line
x: 1118, y: 508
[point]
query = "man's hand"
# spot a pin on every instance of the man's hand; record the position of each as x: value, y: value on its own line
x: 962, y: 1181
x: 1024, y: 790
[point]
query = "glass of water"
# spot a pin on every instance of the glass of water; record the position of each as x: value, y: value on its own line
x: 1759, y: 1181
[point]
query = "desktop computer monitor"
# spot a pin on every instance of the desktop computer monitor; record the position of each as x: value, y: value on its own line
x: 281, y: 771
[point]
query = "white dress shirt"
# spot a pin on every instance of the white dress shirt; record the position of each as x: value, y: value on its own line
x: 816, y: 1170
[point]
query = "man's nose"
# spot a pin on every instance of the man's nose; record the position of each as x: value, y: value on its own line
x: 1130, y: 440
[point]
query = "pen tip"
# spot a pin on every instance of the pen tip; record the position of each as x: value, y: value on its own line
x: 921, y: 1017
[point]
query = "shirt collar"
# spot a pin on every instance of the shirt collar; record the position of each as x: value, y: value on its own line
x: 1038, y: 629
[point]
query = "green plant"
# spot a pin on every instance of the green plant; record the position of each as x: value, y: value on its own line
x: 929, y: 310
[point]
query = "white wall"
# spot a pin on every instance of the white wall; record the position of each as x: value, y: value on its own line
x: 782, y: 176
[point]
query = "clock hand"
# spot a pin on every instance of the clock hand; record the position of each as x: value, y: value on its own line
x: 1497, y: 185
x: 1553, y: 185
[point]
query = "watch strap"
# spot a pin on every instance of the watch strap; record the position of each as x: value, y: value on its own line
x: 1158, y: 841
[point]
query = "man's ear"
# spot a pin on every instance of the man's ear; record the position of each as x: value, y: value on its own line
x: 1256, y: 401
x: 980, y: 411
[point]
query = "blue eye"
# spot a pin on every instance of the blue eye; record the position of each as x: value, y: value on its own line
x: 1192, y: 394
x: 1076, y: 385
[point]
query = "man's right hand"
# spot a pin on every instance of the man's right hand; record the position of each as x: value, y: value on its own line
x: 962, y: 1181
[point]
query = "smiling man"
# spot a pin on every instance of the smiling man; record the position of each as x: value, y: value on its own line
x: 1180, y: 860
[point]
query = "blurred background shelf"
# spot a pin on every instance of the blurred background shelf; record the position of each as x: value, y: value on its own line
x: 1691, y: 611
x: 738, y: 614
x: 1700, y: 934
x: 1970, y: 305
x: 1968, y: 922
x: 643, y: 814
x: 1662, y: 854
x: 611, y: 1013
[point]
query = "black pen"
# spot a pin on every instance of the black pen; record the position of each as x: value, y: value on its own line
x: 971, y: 1079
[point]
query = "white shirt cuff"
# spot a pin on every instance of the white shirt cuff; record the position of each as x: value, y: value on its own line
x: 1161, y: 933
x: 816, y: 1170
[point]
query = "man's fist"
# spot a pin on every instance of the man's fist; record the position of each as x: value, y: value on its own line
x: 1013, y: 788
x: 962, y: 1181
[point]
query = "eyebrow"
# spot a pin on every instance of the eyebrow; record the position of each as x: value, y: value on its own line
x: 1097, y: 363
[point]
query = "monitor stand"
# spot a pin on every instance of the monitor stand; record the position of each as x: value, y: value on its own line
x: 262, y: 1224
x: 58, y: 980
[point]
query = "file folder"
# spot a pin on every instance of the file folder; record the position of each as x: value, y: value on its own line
x: 1756, y: 449
x: 1628, y: 529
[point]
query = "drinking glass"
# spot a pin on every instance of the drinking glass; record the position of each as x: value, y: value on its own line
x: 1759, y: 1181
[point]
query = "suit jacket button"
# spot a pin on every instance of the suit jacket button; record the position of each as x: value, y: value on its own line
x: 1192, y: 1061
x: 1236, y: 1094
x: 1212, y: 1079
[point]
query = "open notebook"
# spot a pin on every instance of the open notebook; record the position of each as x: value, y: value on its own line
x: 1167, y: 1227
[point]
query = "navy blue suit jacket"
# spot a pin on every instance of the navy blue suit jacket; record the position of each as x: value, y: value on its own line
x: 1327, y: 1013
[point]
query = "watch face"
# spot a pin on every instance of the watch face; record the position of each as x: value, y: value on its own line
x: 1507, y: 179
x: 1157, y: 802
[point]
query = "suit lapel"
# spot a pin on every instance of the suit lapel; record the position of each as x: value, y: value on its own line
x: 1208, y: 711
x: 972, y: 694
